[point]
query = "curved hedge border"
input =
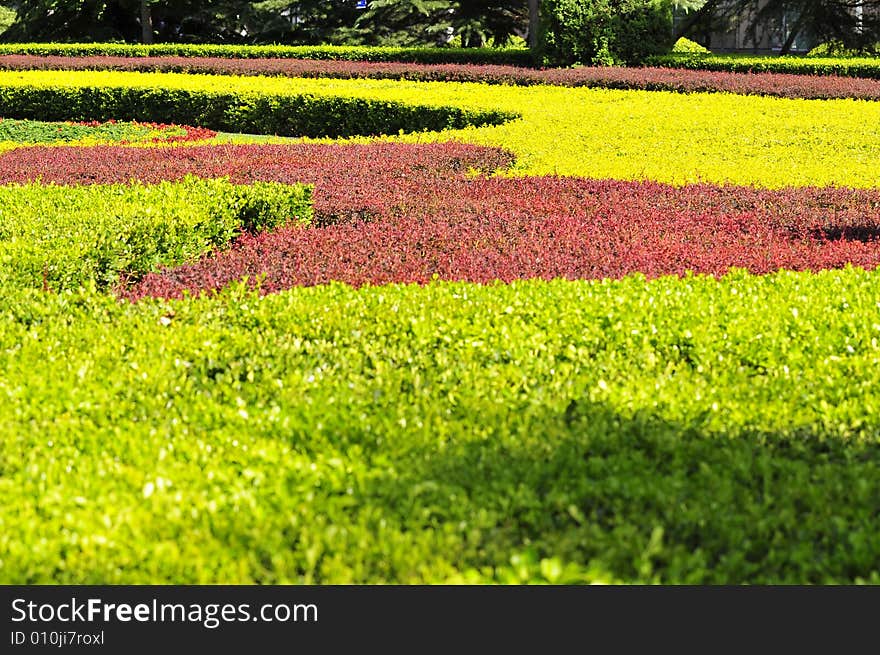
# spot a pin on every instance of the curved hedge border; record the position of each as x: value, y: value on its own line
x: 284, y: 115
x: 598, y: 133
x: 511, y: 56
x: 95, y: 236
x: 841, y: 66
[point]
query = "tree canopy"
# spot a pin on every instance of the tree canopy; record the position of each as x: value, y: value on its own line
x: 416, y: 22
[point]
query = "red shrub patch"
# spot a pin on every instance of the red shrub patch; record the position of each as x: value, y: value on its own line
x: 664, y: 79
x: 500, y: 229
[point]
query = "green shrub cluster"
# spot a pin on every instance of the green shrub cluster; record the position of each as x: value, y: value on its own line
x: 284, y: 114
x: 868, y: 67
x: 837, y: 49
x: 604, y: 32
x: 425, y: 55
x: 684, y: 46
x: 60, y: 238
x: 677, y: 430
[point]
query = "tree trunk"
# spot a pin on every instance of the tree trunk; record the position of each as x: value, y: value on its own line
x: 146, y: 22
x: 534, y: 6
x: 474, y: 40
x: 795, y: 30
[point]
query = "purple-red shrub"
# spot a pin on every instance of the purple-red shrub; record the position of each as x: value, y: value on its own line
x: 661, y: 79
x: 483, y: 230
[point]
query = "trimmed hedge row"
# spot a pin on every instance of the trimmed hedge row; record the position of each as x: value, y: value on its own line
x: 842, y: 66
x: 59, y: 238
x: 287, y: 114
x: 510, y: 56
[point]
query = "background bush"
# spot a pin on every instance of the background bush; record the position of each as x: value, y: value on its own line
x: 683, y: 45
x: 604, y: 32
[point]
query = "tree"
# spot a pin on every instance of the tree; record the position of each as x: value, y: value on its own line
x: 306, y: 21
x: 146, y: 22
x: 603, y: 32
x: 479, y: 21
x: 276, y: 21
x: 125, y: 20
x: 415, y: 22
x: 534, y: 20
x: 78, y: 20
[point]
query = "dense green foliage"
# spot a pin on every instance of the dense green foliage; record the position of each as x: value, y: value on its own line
x: 689, y: 430
x: 598, y: 32
x: 474, y: 22
x: 269, y: 21
x: 60, y: 238
x: 847, y: 66
x: 513, y: 56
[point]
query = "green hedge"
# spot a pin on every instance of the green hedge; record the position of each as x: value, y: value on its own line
x: 510, y: 56
x: 58, y: 238
x: 254, y: 113
x: 676, y: 430
x: 868, y: 67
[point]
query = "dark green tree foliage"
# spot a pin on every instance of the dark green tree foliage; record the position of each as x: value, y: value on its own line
x: 308, y: 22
x: 44, y: 20
x: 604, y: 32
x: 480, y: 20
x: 412, y: 22
x: 405, y: 22
x: 391, y: 22
x: 115, y: 20
x: 203, y: 21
